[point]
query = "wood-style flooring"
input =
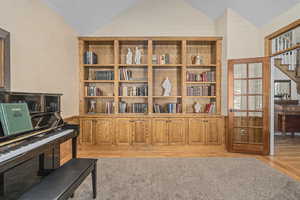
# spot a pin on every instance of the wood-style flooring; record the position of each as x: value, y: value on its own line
x: 286, y: 160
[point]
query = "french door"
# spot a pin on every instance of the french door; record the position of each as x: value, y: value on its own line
x: 248, y: 106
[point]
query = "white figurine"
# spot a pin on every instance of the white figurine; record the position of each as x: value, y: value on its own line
x: 138, y: 55
x: 197, y: 107
x: 198, y: 60
x: 93, y: 106
x: 166, y: 85
x: 129, y: 57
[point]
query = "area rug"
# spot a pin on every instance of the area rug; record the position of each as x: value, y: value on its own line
x: 189, y: 179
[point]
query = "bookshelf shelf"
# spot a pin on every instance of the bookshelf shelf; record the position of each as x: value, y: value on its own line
x: 171, y: 57
x: 132, y: 81
x: 98, y: 65
x: 199, y: 82
x: 98, y: 81
x: 167, y: 65
x: 98, y: 97
x: 132, y: 65
x: 166, y: 97
x: 133, y: 97
x: 209, y: 97
x: 201, y: 65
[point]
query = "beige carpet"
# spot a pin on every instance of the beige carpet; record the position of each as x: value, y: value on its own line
x: 189, y: 179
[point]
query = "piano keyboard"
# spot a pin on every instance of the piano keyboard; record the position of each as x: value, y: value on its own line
x: 23, y: 149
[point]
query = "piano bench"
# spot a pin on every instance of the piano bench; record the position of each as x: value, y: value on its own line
x: 62, y: 183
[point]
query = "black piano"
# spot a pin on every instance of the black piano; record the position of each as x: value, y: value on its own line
x: 27, y: 157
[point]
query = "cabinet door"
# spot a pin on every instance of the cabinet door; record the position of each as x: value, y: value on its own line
x: 140, y: 131
x: 177, y: 130
x: 214, y: 131
x: 160, y: 131
x: 197, y: 129
x: 123, y: 131
x: 86, y: 131
x: 103, y: 131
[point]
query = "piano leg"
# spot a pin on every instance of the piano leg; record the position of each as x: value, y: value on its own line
x: 74, y: 147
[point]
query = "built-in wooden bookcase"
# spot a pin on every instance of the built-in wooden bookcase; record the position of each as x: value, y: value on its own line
x: 114, y: 83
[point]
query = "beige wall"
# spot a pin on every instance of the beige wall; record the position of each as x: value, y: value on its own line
x: 159, y: 18
x: 43, y: 51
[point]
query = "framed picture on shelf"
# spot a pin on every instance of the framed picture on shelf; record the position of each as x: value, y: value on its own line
x: 282, y: 88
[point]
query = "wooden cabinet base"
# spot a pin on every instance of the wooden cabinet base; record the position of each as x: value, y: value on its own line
x: 152, y: 131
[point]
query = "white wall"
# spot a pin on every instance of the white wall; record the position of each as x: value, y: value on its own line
x: 159, y: 18
x: 43, y: 51
x: 242, y: 39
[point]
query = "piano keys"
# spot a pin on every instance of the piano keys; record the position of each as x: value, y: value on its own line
x: 26, y: 157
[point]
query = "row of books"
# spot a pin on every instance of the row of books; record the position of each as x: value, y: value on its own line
x: 125, y: 74
x: 95, y: 106
x: 203, y: 90
x: 208, y: 108
x: 90, y: 57
x: 161, y: 59
x: 133, y: 108
x: 133, y: 91
x: 168, y: 108
x: 291, y: 58
x: 208, y: 76
x: 286, y: 40
x: 101, y: 75
x: 92, y: 91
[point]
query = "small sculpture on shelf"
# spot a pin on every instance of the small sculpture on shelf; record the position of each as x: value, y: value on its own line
x: 197, y: 107
x: 198, y: 60
x: 166, y: 85
x: 92, y: 108
x: 129, y: 57
x: 138, y: 56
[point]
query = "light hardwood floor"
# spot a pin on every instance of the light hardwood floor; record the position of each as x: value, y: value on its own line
x: 287, y: 159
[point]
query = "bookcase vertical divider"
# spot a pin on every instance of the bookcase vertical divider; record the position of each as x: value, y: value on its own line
x: 81, y: 75
x: 116, y: 78
x: 183, y: 74
x: 150, y: 75
x: 218, y: 75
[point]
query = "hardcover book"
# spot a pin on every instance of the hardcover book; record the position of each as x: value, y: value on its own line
x: 15, y: 118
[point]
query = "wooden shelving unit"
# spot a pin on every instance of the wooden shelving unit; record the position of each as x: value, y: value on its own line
x: 111, y: 56
x: 169, y: 126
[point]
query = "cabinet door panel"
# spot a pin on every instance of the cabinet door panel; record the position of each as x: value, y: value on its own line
x: 86, y: 132
x: 103, y: 131
x: 214, y: 131
x: 160, y: 131
x: 140, y: 130
x: 197, y: 131
x: 177, y: 130
x: 123, y: 131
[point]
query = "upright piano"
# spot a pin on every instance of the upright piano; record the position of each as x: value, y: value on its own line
x: 27, y: 157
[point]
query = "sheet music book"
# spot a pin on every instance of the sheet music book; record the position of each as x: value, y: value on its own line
x: 15, y: 118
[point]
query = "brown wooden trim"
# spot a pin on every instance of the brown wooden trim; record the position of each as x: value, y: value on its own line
x: 283, y: 30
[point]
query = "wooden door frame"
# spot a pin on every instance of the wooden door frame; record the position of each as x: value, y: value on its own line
x: 266, y: 102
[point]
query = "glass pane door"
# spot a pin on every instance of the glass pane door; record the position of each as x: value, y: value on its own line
x: 247, y: 105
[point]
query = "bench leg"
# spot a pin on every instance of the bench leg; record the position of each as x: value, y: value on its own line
x: 94, y: 181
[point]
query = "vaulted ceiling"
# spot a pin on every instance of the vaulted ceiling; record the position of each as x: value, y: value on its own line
x: 86, y: 16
